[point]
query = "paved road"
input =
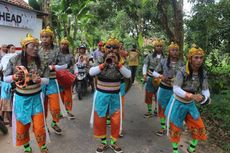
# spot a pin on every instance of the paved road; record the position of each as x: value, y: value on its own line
x: 78, y: 136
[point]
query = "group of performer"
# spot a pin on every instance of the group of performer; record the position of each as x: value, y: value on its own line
x: 175, y: 86
x: 33, y: 71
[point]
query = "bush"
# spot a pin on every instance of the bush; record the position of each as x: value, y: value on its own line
x: 218, y: 67
x: 217, y: 119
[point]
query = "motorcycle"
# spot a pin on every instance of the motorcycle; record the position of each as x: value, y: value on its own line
x: 3, y: 128
x: 82, y: 82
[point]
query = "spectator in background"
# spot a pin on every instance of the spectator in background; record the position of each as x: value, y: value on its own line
x: 11, y: 48
x: 98, y: 54
x: 133, y: 61
x: 3, y: 50
x: 6, y: 88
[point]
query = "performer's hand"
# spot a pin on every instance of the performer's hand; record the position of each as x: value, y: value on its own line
x: 145, y: 78
x: 102, y: 66
x: 197, y: 97
x: 162, y: 77
x: 105, y: 64
x: 52, y: 67
x: 37, y: 79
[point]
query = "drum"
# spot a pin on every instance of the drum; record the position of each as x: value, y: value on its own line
x: 156, y: 82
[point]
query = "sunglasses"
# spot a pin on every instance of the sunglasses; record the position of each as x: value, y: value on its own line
x: 112, y: 46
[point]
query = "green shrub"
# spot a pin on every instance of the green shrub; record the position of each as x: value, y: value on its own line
x: 217, y: 119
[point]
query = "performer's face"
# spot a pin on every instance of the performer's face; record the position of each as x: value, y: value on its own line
x: 158, y: 48
x: 46, y: 39
x: 4, y: 48
x: 174, y: 52
x: 64, y: 47
x: 82, y: 50
x: 32, y: 49
x: 197, y: 61
x: 12, y: 49
x: 112, y: 48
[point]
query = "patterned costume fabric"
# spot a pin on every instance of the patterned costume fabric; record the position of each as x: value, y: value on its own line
x: 180, y: 110
x: 28, y: 107
x: 169, y: 71
x: 42, y: 71
x: 151, y: 84
x: 190, y: 84
x: 69, y: 59
x: 66, y: 93
x: 23, y: 107
x: 52, y: 57
x: 110, y: 74
x: 152, y: 62
x: 165, y: 90
x: 107, y: 102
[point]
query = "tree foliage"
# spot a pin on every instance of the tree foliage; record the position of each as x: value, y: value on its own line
x: 209, y: 28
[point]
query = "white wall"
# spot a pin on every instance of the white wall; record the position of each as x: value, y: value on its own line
x: 11, y: 35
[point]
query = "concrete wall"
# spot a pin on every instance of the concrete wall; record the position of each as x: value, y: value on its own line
x: 11, y: 35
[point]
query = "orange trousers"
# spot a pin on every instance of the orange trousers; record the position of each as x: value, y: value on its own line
x: 67, y: 98
x: 22, y: 131
x: 149, y: 97
x: 53, y: 101
x: 196, y: 127
x: 161, y: 111
x: 123, y: 106
x: 100, y: 125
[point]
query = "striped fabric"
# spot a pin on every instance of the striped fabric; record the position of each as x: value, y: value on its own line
x: 109, y: 87
x: 150, y: 72
x: 52, y: 75
x: 28, y: 90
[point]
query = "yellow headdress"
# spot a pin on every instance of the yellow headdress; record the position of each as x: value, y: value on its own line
x: 158, y: 42
x: 47, y: 31
x: 64, y: 41
x: 29, y: 39
x: 113, y: 41
x: 193, y: 51
x: 173, y: 46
